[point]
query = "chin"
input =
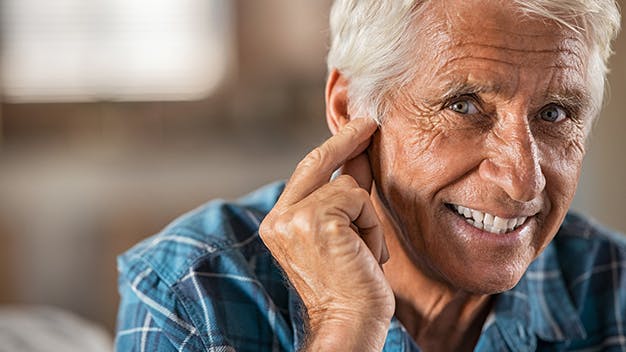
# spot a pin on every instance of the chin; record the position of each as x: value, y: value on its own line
x: 478, y: 261
x: 487, y: 284
x: 484, y: 273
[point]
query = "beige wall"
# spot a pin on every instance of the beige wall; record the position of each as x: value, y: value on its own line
x: 602, y: 188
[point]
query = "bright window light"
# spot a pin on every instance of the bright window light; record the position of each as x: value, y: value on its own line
x: 78, y: 50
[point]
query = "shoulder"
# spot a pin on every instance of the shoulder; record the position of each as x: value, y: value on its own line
x: 209, y: 230
x: 589, y: 253
x: 576, y: 225
x: 592, y: 259
x: 583, y: 244
x: 200, y: 271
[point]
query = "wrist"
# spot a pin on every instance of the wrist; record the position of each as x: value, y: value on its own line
x: 347, y: 332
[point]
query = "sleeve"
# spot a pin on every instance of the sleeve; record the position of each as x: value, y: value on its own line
x: 151, y: 318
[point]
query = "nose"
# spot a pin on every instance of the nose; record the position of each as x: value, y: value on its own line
x: 513, y: 161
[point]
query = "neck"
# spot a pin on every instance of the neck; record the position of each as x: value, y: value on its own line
x: 438, y: 316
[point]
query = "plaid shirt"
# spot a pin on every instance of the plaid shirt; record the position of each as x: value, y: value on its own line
x: 208, y: 283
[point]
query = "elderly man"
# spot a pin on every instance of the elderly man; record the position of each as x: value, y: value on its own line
x: 459, y: 131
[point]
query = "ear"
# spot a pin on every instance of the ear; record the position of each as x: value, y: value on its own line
x: 336, y: 101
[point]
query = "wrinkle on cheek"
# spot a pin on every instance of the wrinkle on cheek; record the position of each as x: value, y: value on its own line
x: 576, y: 149
x: 403, y: 204
x: 567, y: 141
x: 422, y: 118
x: 569, y: 153
x: 562, y: 166
x: 406, y: 152
x: 416, y: 127
x: 425, y: 142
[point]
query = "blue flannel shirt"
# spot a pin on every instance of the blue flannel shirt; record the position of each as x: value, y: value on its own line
x: 208, y: 283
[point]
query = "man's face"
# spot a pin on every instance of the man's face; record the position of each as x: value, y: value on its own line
x: 495, y: 122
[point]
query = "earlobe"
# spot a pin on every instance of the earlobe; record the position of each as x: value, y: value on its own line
x: 337, y: 113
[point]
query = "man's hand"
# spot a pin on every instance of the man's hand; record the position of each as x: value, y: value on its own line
x: 328, y: 239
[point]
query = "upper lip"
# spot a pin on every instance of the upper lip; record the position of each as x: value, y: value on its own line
x: 501, y: 211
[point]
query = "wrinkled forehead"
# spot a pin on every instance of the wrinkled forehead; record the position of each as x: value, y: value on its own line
x: 492, y: 43
x: 500, y: 24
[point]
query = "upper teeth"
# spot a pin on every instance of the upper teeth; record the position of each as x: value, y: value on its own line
x: 489, y: 222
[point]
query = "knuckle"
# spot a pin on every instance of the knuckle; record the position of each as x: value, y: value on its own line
x: 304, y: 221
x: 274, y: 225
x: 290, y: 225
x: 265, y: 228
x: 315, y: 159
x: 333, y: 228
x: 281, y: 225
x: 276, y: 237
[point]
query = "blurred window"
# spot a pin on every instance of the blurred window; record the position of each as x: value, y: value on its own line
x: 84, y: 50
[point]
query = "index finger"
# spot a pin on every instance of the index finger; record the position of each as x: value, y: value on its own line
x: 317, y: 167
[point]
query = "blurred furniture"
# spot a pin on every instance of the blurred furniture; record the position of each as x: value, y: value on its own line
x: 48, y: 329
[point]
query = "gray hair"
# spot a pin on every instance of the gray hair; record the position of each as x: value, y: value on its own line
x: 371, y: 42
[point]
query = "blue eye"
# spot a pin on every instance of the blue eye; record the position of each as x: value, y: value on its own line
x: 464, y: 107
x: 552, y: 113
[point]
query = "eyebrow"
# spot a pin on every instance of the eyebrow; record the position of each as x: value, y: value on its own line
x: 573, y: 98
x: 455, y: 89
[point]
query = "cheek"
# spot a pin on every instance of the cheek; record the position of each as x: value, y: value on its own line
x: 426, y: 160
x: 412, y: 164
x: 562, y: 166
x: 397, y: 178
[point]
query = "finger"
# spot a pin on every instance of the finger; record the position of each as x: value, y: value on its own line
x: 359, y: 168
x: 371, y: 231
x: 359, y: 212
x: 369, y: 226
x: 377, y: 247
x: 316, y: 168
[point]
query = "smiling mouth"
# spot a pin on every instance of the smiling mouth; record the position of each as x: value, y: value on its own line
x: 487, y: 222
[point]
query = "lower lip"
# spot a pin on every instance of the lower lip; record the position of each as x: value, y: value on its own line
x: 471, y: 233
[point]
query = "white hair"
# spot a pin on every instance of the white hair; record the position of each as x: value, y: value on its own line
x: 371, y: 43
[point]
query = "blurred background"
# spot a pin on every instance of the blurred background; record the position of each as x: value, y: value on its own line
x: 116, y: 116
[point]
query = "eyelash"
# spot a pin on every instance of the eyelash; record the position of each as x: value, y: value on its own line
x: 463, y: 97
x: 472, y: 98
x: 562, y: 109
